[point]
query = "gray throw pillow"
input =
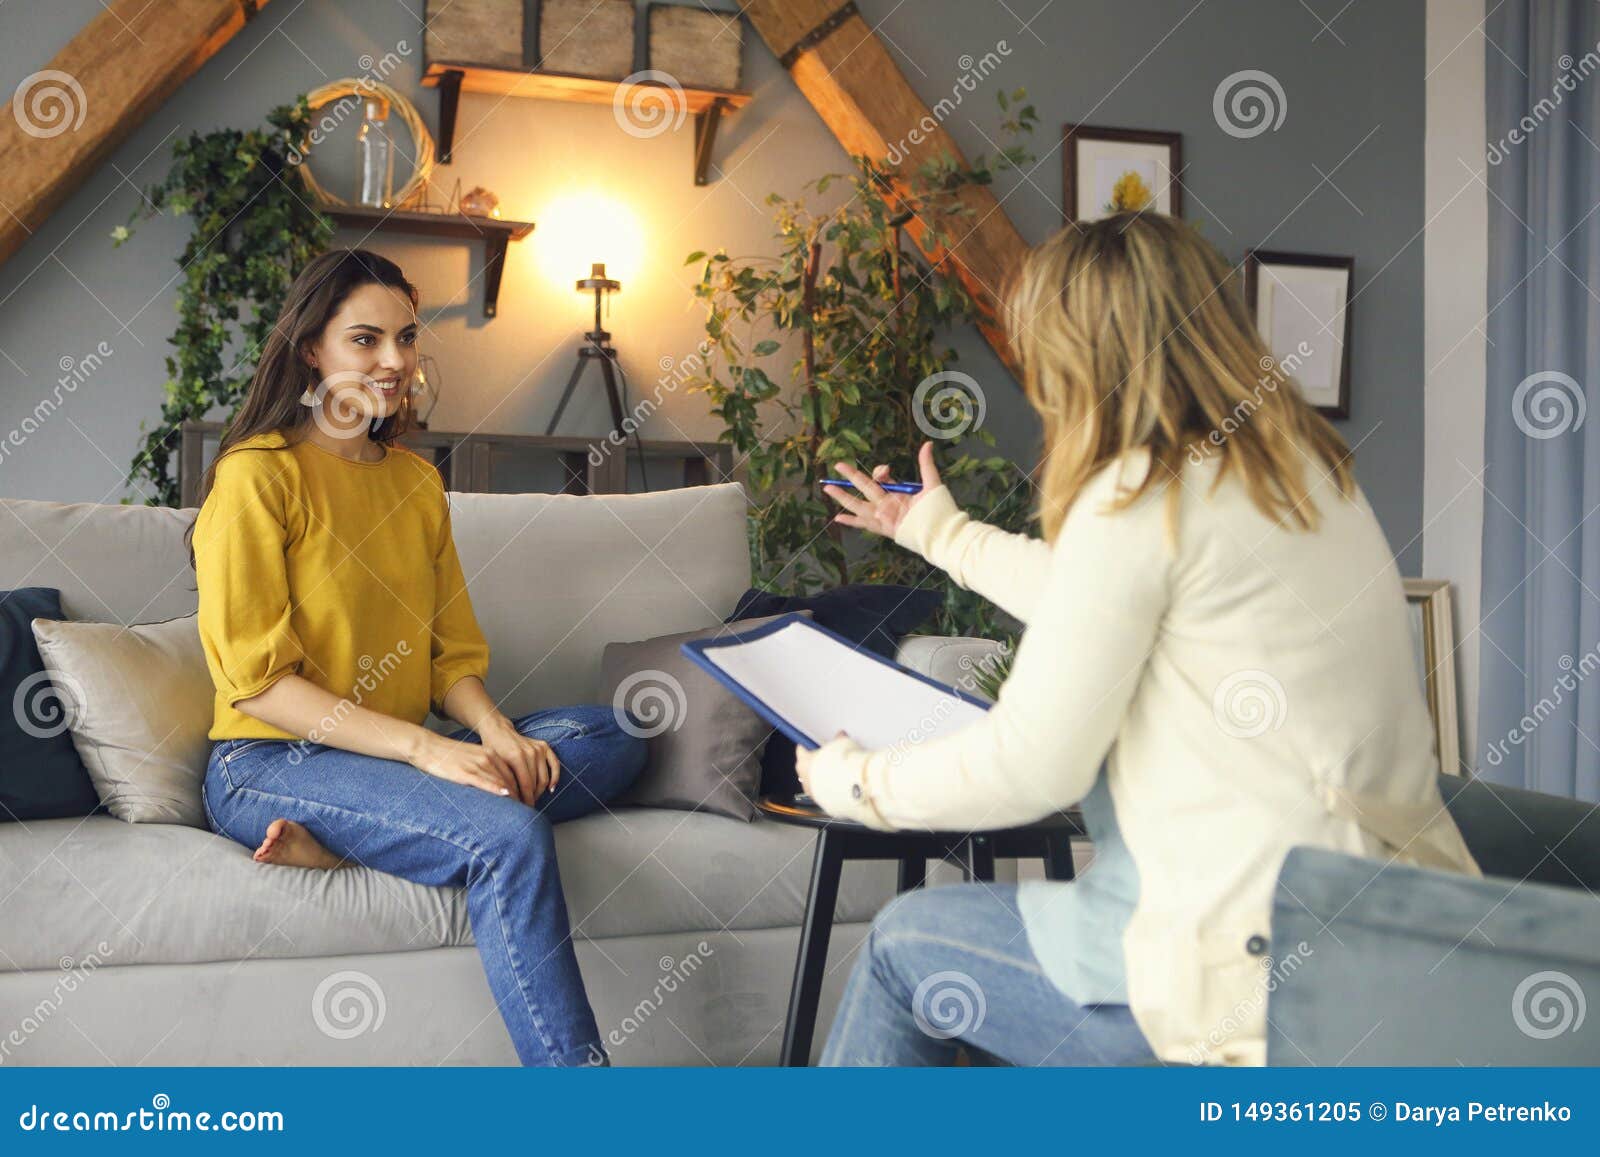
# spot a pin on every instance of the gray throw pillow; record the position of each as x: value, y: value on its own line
x: 705, y: 745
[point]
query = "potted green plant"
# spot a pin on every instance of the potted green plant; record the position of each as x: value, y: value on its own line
x: 863, y: 319
x: 254, y: 229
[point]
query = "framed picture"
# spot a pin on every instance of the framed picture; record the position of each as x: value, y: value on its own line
x: 1108, y: 170
x: 1301, y: 306
x: 1433, y: 638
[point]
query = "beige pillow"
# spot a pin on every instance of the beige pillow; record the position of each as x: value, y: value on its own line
x: 139, y: 705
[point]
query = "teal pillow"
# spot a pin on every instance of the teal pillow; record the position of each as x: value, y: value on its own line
x: 41, y: 776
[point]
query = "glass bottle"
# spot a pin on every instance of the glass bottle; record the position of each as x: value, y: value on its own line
x: 377, y: 155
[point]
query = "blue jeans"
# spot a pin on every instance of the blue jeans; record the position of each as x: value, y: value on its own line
x: 950, y: 966
x: 388, y: 815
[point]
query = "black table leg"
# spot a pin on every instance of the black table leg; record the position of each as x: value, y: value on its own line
x: 977, y: 859
x: 1058, y: 857
x: 913, y: 873
x: 812, y: 959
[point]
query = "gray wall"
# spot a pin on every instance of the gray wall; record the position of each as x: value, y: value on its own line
x: 1354, y: 112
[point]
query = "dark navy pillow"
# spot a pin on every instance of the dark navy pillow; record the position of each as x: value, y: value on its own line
x: 871, y: 615
x: 41, y: 776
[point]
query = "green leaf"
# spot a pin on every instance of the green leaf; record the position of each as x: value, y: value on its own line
x: 871, y: 336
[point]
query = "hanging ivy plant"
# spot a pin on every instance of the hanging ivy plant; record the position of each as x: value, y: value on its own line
x: 870, y: 317
x: 254, y: 229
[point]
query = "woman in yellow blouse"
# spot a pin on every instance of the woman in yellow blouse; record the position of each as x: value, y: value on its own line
x: 334, y: 616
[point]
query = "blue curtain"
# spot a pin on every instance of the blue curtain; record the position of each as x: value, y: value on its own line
x: 1539, y: 711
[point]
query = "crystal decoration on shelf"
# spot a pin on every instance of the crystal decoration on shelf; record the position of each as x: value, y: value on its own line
x: 480, y: 202
x: 425, y: 389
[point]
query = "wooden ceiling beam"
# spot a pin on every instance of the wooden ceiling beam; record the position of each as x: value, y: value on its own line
x: 853, y: 82
x: 66, y: 120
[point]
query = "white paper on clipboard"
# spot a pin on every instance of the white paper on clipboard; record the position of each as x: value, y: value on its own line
x: 820, y: 686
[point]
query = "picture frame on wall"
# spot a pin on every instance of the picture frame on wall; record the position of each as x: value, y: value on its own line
x: 1300, y: 302
x: 1105, y: 170
x: 1433, y: 638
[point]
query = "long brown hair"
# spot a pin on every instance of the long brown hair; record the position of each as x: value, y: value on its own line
x: 1133, y: 334
x: 282, y: 375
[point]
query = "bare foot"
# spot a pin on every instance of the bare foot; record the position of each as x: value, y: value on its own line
x: 292, y: 846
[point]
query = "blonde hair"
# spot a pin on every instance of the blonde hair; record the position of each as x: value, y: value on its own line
x: 1133, y: 334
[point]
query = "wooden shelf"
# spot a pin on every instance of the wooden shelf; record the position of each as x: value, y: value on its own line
x: 494, y: 232
x: 451, y: 79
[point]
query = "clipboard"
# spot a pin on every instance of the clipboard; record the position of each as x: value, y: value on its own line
x: 799, y: 676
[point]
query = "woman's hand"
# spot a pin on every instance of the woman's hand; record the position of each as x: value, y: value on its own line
x: 803, y: 758
x: 872, y: 508
x: 532, y: 760
x: 802, y: 767
x: 505, y: 762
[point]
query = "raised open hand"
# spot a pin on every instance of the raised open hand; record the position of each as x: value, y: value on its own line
x: 869, y: 506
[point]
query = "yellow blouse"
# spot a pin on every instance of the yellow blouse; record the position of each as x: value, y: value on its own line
x: 342, y: 572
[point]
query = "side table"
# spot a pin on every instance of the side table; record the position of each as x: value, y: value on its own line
x: 840, y: 840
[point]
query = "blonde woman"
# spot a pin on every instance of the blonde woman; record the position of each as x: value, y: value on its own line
x: 1217, y: 665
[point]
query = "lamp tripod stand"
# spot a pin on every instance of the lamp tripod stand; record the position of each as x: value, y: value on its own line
x: 597, y: 348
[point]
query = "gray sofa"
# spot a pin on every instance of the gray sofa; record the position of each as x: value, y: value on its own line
x: 166, y: 945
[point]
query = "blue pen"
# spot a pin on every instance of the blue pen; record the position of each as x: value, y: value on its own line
x: 891, y: 487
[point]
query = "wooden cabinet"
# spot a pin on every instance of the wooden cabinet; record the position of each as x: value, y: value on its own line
x: 517, y: 463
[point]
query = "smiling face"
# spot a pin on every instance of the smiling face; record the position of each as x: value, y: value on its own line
x: 364, y: 360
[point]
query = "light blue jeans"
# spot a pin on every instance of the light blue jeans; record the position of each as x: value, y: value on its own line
x: 388, y: 815
x: 950, y: 966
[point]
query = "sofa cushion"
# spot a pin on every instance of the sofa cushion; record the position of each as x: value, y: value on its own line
x: 140, y: 702
x: 112, y: 564
x: 705, y: 743
x: 41, y: 776
x: 161, y: 893
x: 553, y: 577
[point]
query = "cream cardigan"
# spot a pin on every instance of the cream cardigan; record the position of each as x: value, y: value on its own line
x: 1250, y: 688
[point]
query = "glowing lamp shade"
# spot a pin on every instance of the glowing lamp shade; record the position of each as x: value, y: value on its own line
x: 577, y: 230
